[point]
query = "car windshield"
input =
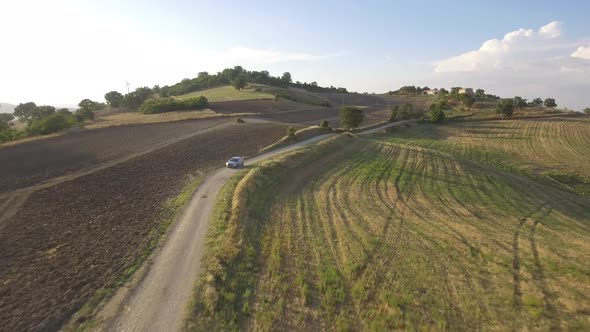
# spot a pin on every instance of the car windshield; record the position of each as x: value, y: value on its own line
x: 235, y: 159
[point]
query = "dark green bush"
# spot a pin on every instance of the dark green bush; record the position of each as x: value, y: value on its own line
x: 437, y: 115
x: 162, y: 105
x: 8, y: 134
x: 51, y: 124
x: 291, y: 131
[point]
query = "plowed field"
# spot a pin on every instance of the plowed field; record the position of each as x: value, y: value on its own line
x: 78, y: 237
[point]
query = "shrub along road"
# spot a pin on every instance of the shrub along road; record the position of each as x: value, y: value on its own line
x: 159, y: 301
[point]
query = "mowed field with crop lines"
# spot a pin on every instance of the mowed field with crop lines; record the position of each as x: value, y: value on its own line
x: 370, y: 235
x: 556, y: 147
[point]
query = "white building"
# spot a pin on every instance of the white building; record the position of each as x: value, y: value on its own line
x: 467, y: 91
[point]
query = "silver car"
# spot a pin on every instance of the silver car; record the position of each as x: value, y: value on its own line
x: 235, y: 162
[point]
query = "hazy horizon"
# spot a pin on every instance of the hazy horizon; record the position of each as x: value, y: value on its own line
x: 87, y: 48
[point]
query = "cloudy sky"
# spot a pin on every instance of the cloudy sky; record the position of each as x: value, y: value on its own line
x: 59, y: 52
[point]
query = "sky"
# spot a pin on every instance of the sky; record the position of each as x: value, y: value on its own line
x: 60, y: 52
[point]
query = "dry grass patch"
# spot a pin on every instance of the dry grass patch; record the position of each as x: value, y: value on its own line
x: 138, y: 118
x: 362, y: 235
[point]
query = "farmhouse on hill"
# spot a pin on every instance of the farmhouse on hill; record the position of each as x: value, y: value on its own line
x: 430, y: 92
x: 467, y: 91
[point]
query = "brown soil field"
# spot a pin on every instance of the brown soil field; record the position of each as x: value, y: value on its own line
x: 314, y: 116
x: 70, y: 240
x: 30, y: 163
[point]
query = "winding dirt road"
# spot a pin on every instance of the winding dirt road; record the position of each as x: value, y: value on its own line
x: 159, y: 301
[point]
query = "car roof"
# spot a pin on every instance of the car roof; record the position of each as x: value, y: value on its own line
x: 236, y: 158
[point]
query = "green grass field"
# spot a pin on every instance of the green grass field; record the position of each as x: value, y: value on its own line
x: 227, y: 93
x: 428, y: 227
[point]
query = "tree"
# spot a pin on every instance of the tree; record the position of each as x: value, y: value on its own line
x: 480, y: 94
x: 143, y: 92
x: 437, y: 115
x: 84, y: 114
x: 467, y: 100
x: 25, y: 111
x: 291, y: 131
x: 550, y: 102
x: 455, y: 90
x: 587, y: 110
x: 393, y: 114
x: 443, y: 91
x: 63, y: 111
x: 351, y: 117
x: 88, y: 105
x: 136, y: 98
x: 43, y: 112
x: 519, y: 102
x: 286, y: 77
x: 113, y: 98
x: 538, y: 102
x: 505, y: 107
x: 239, y: 83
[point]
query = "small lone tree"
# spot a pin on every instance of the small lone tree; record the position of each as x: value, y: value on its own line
x: 351, y: 117
x: 325, y: 124
x: 393, y: 114
x: 239, y: 83
x: 505, y: 107
x: 550, y: 102
x: 519, y: 102
x: 25, y: 111
x: 586, y: 110
x: 291, y: 131
x: 88, y: 105
x: 286, y: 77
x: 480, y: 94
x: 113, y: 98
x: 467, y: 100
x: 538, y: 102
x: 437, y: 114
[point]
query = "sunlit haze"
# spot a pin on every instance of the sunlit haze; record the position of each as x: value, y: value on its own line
x: 59, y: 52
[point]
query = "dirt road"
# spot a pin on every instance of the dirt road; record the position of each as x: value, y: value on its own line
x: 159, y: 301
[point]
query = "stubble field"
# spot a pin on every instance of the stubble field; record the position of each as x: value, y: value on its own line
x: 379, y: 235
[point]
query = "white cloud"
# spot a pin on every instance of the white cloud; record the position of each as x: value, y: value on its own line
x: 582, y: 53
x: 526, y: 62
x: 551, y: 30
x: 514, y: 51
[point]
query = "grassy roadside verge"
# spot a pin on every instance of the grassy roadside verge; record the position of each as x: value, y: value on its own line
x: 234, y: 241
x: 299, y: 135
x: 85, y: 318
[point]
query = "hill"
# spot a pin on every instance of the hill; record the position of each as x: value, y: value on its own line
x: 467, y: 225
